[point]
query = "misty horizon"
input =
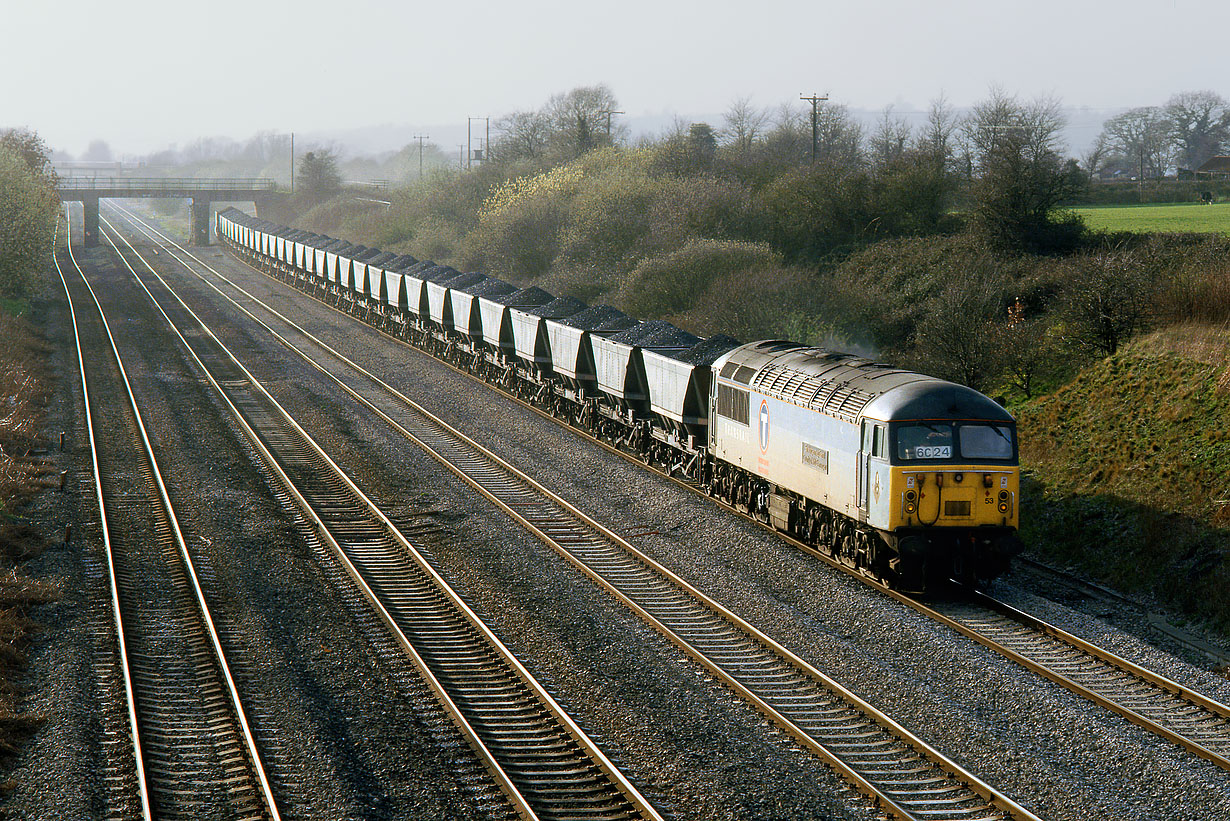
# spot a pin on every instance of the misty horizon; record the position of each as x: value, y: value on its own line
x: 398, y: 68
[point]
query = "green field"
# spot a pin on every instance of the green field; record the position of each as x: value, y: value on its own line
x: 1166, y: 218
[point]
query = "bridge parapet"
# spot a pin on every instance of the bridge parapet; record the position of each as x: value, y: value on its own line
x: 162, y: 186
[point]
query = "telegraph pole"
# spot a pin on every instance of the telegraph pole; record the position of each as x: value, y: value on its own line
x: 815, y: 101
x: 1142, y: 170
x: 420, y: 138
x: 608, y: 114
x: 292, y: 162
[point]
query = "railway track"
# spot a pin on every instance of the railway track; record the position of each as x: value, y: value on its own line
x: 192, y: 750
x: 1198, y: 724
x: 545, y: 764
x: 905, y: 776
x: 1166, y: 708
x: 1219, y: 657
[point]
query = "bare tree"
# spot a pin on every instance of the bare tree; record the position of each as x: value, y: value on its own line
x: 937, y: 137
x: 989, y: 121
x: 1199, y: 123
x: 743, y: 124
x: 580, y: 120
x: 1106, y: 301
x: 839, y: 138
x: 1095, y: 155
x: 522, y: 135
x: 1026, y: 347
x: 97, y: 151
x: 1142, y: 136
x: 1034, y: 128
x: 1018, y: 177
x: 889, y: 141
x: 959, y: 338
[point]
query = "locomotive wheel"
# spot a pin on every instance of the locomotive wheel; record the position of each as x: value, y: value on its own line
x: 830, y: 539
x: 845, y: 551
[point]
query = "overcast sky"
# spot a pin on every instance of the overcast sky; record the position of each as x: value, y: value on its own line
x: 145, y: 74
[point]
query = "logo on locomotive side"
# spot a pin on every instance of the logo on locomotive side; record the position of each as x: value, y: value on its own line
x: 764, y: 425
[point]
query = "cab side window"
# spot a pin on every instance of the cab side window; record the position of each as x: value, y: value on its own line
x: 877, y: 442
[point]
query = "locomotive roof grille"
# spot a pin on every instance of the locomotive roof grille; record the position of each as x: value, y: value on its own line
x: 810, y: 389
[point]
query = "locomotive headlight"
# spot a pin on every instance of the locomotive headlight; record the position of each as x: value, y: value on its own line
x: 1003, y: 507
x: 909, y: 507
x: 1003, y: 495
x: 910, y: 495
x: 986, y: 480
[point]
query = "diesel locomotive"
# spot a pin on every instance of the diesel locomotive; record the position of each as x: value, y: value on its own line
x: 909, y: 479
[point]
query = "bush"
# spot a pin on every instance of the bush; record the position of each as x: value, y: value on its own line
x: 29, y: 208
x: 1107, y: 300
x: 816, y: 211
x: 958, y: 335
x: 608, y: 221
x: 1192, y: 277
x: 774, y: 302
x: 670, y: 283
x: 1153, y: 191
x: 704, y: 207
x: 520, y: 242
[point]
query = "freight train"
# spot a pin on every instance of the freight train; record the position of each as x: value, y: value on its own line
x: 909, y: 479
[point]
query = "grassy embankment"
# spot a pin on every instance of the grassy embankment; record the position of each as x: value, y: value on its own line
x: 25, y: 388
x: 1129, y: 470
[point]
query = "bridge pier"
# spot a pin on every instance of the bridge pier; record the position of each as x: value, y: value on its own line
x: 91, y: 221
x: 200, y: 221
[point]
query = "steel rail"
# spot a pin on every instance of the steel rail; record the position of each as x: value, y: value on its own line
x: 266, y: 799
x: 1213, y: 725
x: 495, y: 486
x: 514, y: 785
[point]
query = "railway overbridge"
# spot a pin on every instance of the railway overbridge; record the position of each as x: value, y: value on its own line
x: 202, y: 192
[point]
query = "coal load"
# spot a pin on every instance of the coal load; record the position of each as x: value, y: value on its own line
x: 600, y: 319
x: 656, y: 333
x: 563, y: 306
x: 525, y: 298
x: 463, y: 280
x: 707, y: 351
x: 490, y: 287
